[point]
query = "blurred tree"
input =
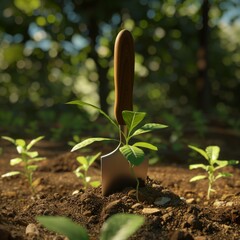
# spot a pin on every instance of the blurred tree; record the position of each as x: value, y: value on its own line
x: 52, y: 51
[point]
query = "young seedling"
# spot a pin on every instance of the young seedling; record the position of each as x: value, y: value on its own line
x: 211, y: 154
x: 26, y: 159
x: 133, y: 152
x: 119, y: 226
x: 82, y: 171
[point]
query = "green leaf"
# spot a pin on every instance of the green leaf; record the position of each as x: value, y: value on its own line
x: 121, y: 226
x: 20, y: 142
x: 32, y: 167
x: 37, y: 159
x: 199, y: 150
x: 92, y: 159
x: 89, y: 141
x: 95, y: 184
x: 8, y: 139
x: 9, y: 174
x: 220, y: 164
x: 149, y: 127
x: 145, y: 145
x: 34, y: 141
x: 81, y: 104
x: 194, y: 166
x: 213, y: 152
x: 15, y: 161
x: 32, y: 154
x: 82, y: 160
x: 64, y: 226
x: 197, y: 178
x: 79, y: 174
x: 132, y: 119
x: 223, y: 175
x: 20, y: 149
x: 133, y: 154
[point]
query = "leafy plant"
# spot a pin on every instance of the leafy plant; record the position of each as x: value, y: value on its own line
x: 211, y: 154
x: 26, y: 158
x: 133, y: 152
x: 119, y: 226
x: 82, y: 170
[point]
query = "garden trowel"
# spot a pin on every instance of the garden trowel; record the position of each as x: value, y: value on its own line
x: 116, y: 173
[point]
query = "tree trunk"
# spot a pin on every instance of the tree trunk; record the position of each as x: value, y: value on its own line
x: 203, y: 84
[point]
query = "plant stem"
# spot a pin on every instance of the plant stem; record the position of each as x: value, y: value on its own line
x: 137, y: 187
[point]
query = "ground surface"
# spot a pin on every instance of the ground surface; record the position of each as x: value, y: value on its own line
x: 173, y: 208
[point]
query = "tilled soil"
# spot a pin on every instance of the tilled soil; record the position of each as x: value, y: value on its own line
x: 173, y: 207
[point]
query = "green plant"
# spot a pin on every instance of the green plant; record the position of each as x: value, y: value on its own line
x: 26, y: 158
x: 211, y: 154
x: 82, y: 170
x: 133, y: 152
x: 119, y: 226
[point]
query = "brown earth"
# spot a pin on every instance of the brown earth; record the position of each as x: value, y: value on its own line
x: 173, y: 207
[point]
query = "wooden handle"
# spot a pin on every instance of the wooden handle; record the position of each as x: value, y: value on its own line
x: 123, y: 74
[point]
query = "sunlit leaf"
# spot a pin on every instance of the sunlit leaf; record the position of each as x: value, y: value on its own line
x: 149, y: 127
x: 9, y: 174
x: 82, y: 160
x: 20, y: 142
x: 15, y: 161
x: 92, y: 159
x: 121, y: 226
x: 213, y: 152
x: 95, y: 184
x: 32, y: 167
x: 81, y: 104
x: 145, y: 145
x: 223, y: 175
x: 133, y: 154
x: 64, y: 226
x: 8, y: 139
x: 195, y: 166
x: 32, y: 154
x: 199, y: 150
x: 89, y: 141
x: 34, y: 141
x: 197, y: 178
x: 132, y: 119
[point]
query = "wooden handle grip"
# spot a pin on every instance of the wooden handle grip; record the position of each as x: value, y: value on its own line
x: 123, y: 74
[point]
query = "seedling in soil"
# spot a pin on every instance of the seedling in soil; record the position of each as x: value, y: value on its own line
x: 26, y: 159
x: 119, y: 226
x: 133, y: 152
x: 211, y: 154
x: 82, y: 171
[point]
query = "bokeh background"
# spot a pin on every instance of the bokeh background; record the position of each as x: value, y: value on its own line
x: 187, y: 64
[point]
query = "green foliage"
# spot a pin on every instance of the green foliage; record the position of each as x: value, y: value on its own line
x: 132, y: 152
x: 82, y: 171
x: 65, y: 226
x: 119, y: 226
x: 26, y: 158
x: 211, y: 154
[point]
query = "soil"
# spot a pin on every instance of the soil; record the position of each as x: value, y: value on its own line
x: 173, y: 207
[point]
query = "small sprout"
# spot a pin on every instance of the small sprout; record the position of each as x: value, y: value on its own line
x: 26, y: 159
x: 82, y: 171
x: 211, y: 154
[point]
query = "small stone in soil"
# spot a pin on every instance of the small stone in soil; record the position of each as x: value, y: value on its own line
x: 162, y: 201
x: 32, y: 230
x: 190, y: 201
x: 136, y: 206
x: 151, y: 211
